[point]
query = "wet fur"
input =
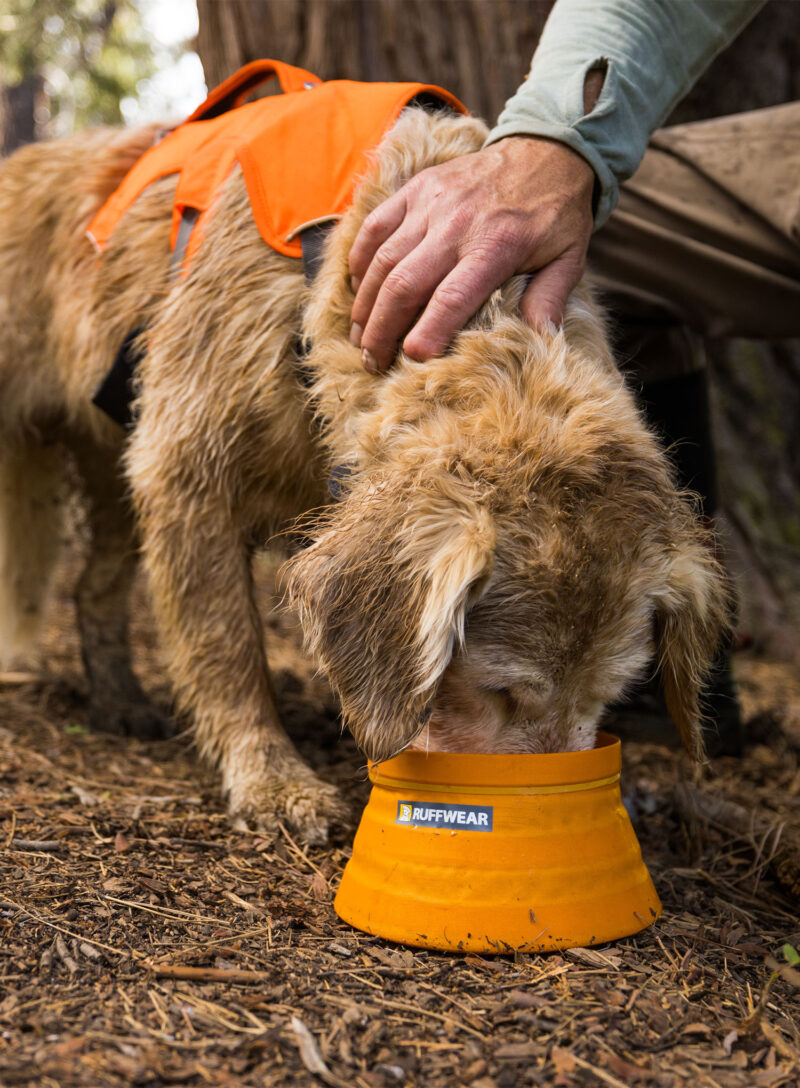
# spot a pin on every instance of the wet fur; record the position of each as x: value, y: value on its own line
x: 511, y: 550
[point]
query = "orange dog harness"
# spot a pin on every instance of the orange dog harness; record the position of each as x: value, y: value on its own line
x: 301, y: 152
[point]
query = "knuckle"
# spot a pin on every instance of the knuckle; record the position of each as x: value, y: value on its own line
x: 503, y: 237
x: 462, y: 219
x: 373, y: 224
x: 454, y: 295
x: 401, y: 283
x: 416, y: 185
x: 385, y: 260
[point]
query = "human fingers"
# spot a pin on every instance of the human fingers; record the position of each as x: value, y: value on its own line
x: 378, y: 226
x: 546, y: 295
x: 457, y: 298
x: 401, y: 295
x: 383, y: 264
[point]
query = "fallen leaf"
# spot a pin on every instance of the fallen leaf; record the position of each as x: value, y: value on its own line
x: 783, y: 1047
x: 475, y: 1070
x: 114, y: 884
x: 627, y: 1071
x: 482, y: 965
x: 790, y: 974
x: 319, y: 888
x: 696, y: 1028
x: 517, y: 1051
x: 149, y: 882
x: 563, y: 1060
x: 391, y: 958
x: 594, y: 958
x: 68, y: 1047
x: 524, y: 1000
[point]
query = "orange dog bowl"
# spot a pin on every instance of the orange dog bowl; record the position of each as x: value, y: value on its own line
x: 498, y: 853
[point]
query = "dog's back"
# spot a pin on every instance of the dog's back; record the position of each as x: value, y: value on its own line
x: 48, y: 193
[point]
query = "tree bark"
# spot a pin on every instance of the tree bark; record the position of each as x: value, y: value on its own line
x: 480, y: 50
x: 17, y: 113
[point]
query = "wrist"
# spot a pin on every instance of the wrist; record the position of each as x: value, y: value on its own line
x: 565, y: 167
x: 601, y: 181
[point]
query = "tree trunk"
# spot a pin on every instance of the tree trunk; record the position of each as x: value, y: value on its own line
x: 17, y: 114
x: 480, y: 50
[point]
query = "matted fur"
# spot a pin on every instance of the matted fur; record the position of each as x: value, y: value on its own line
x: 511, y: 549
x: 508, y: 501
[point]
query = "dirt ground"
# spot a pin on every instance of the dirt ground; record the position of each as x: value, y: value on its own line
x: 118, y: 869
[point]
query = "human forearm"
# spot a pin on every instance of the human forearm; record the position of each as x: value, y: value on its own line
x: 651, y: 52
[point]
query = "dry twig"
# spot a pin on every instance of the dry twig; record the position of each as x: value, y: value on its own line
x: 208, y: 974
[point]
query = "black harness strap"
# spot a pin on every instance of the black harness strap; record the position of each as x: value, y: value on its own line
x: 312, y: 241
x: 116, y: 392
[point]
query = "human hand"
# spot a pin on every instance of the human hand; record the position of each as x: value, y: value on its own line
x: 456, y: 232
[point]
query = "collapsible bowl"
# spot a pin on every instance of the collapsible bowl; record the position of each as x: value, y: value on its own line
x: 498, y: 853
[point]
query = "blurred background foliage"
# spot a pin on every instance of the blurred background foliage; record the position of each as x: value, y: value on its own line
x: 66, y: 64
x: 69, y: 63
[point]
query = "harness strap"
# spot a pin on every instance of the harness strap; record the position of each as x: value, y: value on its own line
x: 312, y: 240
x: 189, y: 217
x: 234, y: 90
x: 116, y: 392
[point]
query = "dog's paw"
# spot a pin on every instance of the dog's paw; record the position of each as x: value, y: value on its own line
x: 130, y: 719
x: 283, y: 791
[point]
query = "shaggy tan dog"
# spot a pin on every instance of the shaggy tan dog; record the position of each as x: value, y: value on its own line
x: 510, y: 551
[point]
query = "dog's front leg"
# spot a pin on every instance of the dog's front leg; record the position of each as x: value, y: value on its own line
x: 200, y: 576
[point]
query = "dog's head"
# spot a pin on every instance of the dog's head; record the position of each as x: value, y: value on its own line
x: 383, y: 596
x: 512, y: 556
x: 511, y: 551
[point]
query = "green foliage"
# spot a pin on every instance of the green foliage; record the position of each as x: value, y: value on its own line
x: 86, y: 55
x: 791, y: 955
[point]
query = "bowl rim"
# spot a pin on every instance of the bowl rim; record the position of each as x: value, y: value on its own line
x: 465, y: 769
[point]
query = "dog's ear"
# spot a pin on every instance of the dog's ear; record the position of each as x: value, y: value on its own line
x: 382, y: 594
x: 692, y: 614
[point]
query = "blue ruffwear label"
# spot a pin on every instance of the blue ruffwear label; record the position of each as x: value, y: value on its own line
x: 465, y: 817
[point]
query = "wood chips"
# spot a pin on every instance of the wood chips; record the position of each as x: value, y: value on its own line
x: 143, y: 942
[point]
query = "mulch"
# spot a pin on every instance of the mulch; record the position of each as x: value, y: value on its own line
x: 146, y: 943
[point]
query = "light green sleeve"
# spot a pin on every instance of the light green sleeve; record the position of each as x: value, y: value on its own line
x: 652, y: 51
